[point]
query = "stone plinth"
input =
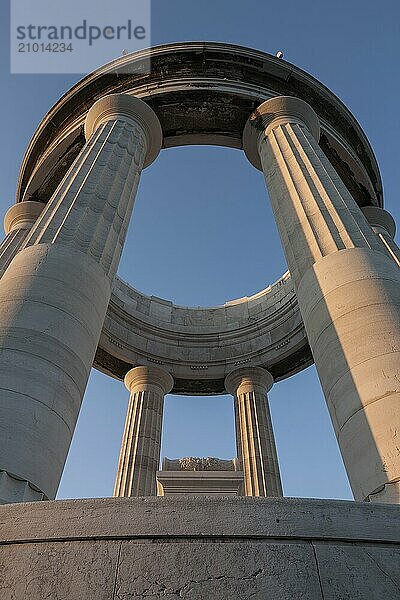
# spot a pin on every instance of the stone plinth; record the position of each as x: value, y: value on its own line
x: 199, y: 483
x: 193, y: 476
x: 196, y: 549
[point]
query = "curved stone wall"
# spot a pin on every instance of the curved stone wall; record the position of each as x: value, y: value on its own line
x: 120, y: 549
x: 200, y: 346
x: 202, y: 93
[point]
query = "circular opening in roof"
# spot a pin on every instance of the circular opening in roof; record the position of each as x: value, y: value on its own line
x: 202, y: 230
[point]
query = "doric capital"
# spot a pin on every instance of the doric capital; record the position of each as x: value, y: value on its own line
x: 248, y: 379
x: 144, y: 378
x: 22, y: 215
x: 379, y: 218
x: 270, y: 114
x: 127, y: 108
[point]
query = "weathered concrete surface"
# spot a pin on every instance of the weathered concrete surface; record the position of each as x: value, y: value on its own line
x: 199, y: 548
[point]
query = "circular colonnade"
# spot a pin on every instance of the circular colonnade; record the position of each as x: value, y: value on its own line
x: 66, y: 310
x: 202, y: 93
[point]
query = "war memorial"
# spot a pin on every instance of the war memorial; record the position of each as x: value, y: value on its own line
x: 198, y: 528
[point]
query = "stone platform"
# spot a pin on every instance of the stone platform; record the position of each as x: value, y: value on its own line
x: 199, y: 548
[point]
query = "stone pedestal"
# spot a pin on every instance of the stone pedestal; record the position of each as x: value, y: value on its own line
x: 195, y: 476
x: 254, y: 433
x: 347, y: 288
x: 199, y: 548
x: 55, y: 292
x: 140, y: 451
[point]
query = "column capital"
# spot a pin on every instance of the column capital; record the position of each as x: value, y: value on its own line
x: 22, y: 215
x: 127, y: 108
x: 246, y: 379
x: 143, y: 378
x: 271, y: 113
x: 379, y: 219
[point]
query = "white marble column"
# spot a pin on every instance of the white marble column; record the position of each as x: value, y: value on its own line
x: 384, y: 226
x: 140, y: 450
x: 18, y: 220
x: 254, y: 433
x: 55, y: 292
x: 347, y: 288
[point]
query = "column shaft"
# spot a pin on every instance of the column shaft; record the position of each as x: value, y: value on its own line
x: 348, y: 292
x: 55, y: 292
x: 140, y: 450
x: 384, y: 227
x: 18, y: 221
x: 391, y: 247
x: 255, y: 437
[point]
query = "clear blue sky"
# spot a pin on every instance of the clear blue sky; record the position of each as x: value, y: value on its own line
x: 202, y: 231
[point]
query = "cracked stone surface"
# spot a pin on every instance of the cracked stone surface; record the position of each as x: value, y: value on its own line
x: 197, y: 570
x: 199, y: 549
x: 370, y: 572
x: 57, y: 571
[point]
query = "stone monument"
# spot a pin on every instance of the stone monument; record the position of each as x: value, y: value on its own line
x: 63, y: 309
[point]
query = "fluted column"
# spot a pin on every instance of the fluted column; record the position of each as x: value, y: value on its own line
x: 254, y: 433
x: 140, y: 450
x: 384, y: 226
x: 18, y: 220
x: 347, y: 288
x: 55, y: 292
